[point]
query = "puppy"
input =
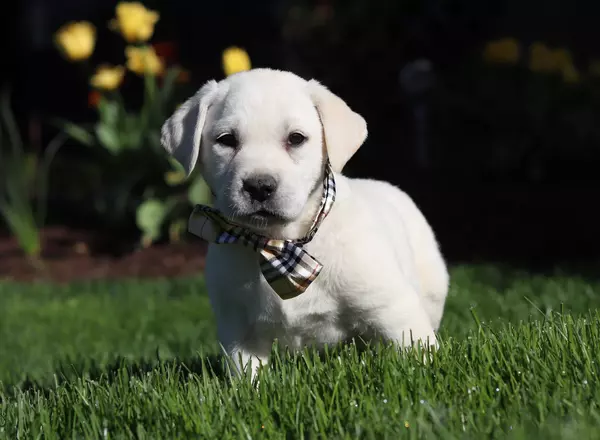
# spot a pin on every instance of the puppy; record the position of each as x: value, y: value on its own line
x: 271, y: 146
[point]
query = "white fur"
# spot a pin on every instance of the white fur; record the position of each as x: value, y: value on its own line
x: 383, y: 273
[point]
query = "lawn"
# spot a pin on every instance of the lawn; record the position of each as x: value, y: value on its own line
x: 518, y: 359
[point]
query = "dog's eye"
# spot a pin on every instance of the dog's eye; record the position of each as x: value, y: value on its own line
x: 296, y: 139
x: 228, y: 140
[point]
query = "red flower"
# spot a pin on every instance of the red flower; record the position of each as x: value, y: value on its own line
x: 184, y: 76
x: 94, y: 98
x: 167, y: 50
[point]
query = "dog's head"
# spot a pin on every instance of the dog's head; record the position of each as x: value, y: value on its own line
x: 261, y: 139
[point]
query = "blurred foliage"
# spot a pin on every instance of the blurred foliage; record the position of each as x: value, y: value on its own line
x: 509, y: 103
x: 23, y: 187
x: 523, y: 105
x: 504, y: 107
x: 137, y: 174
x: 17, y: 170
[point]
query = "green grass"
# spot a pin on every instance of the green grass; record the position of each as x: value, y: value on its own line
x: 518, y: 359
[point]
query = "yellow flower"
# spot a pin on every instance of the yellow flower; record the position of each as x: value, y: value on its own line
x: 235, y: 60
x: 134, y: 21
x: 562, y: 59
x: 546, y: 60
x: 108, y: 77
x: 541, y: 58
x: 503, y: 51
x: 564, y: 65
x: 570, y: 74
x: 142, y: 60
x: 76, y: 40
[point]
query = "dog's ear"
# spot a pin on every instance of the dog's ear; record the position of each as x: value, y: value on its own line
x: 344, y: 129
x: 182, y: 132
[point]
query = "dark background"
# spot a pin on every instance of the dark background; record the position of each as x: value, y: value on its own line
x: 497, y: 184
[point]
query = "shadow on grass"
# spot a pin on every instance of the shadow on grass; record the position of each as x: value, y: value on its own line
x: 213, y: 366
x: 68, y: 371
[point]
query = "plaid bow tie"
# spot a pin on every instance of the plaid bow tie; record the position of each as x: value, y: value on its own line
x: 286, y: 266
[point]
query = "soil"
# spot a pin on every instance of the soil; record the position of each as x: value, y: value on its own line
x: 72, y: 254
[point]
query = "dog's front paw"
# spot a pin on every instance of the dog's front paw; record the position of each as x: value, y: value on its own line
x: 242, y: 363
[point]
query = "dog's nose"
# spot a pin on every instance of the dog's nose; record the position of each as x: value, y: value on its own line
x: 260, y: 187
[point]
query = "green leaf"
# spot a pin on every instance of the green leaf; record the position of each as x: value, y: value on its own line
x: 151, y: 87
x: 148, y: 107
x: 199, y: 192
x: 108, y: 138
x: 154, y: 141
x: 80, y: 134
x: 23, y: 227
x: 133, y: 131
x: 150, y: 216
x: 17, y: 208
x: 166, y: 91
x: 174, y: 177
x: 31, y: 170
x: 7, y: 119
x: 110, y: 112
x: 174, y: 163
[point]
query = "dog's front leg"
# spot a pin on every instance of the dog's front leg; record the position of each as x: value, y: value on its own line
x: 241, y: 360
x: 409, y: 332
x: 238, y: 341
x: 401, y: 318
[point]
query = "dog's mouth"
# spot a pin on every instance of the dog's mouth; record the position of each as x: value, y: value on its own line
x: 261, y: 219
x: 267, y: 215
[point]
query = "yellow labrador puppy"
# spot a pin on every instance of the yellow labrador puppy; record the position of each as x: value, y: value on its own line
x: 299, y: 252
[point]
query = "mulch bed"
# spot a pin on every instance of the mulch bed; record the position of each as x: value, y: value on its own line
x: 70, y: 254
